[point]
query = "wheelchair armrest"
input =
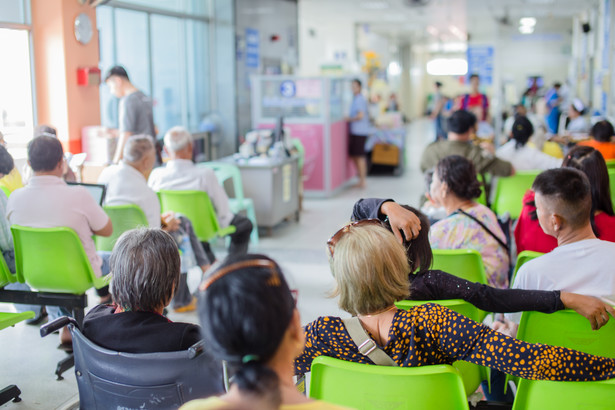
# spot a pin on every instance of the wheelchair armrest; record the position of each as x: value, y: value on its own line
x: 196, y: 349
x: 58, y: 324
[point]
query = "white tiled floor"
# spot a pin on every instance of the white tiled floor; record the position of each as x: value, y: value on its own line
x: 29, y: 361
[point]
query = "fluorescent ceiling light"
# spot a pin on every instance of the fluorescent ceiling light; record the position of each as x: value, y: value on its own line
x: 394, y: 69
x: 526, y: 29
x: 527, y: 21
x: 447, y: 66
x: 458, y: 33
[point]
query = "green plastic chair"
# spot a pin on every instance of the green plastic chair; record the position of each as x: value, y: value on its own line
x: 464, y: 263
x: 298, y: 146
x: 566, y: 328
x: 6, y: 191
x: 482, y: 199
x: 612, y: 183
x: 225, y: 171
x: 196, y: 206
x: 365, y: 386
x: 509, y: 193
x: 550, y: 395
x: 123, y: 218
x: 471, y: 374
x: 53, y: 260
x: 521, y: 259
x: 610, y: 164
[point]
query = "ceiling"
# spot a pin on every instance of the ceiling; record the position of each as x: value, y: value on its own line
x: 445, y: 20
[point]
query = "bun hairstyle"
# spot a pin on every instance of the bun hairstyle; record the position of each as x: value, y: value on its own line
x: 245, y: 308
x: 522, y: 130
x: 459, y: 175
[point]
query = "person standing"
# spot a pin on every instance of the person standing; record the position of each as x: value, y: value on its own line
x: 436, y: 114
x: 475, y: 99
x: 553, y: 100
x: 135, y: 109
x: 359, y: 131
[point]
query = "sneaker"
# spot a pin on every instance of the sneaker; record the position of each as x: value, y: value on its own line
x: 190, y: 307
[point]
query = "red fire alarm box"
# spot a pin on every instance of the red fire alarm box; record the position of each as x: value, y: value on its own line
x: 88, y: 76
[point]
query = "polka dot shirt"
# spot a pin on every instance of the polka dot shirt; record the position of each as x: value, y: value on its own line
x: 432, y: 334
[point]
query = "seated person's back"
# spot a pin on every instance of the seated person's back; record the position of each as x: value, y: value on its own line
x: 145, y: 264
x: 602, y: 133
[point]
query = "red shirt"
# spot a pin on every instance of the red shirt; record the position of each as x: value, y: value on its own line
x: 529, y: 236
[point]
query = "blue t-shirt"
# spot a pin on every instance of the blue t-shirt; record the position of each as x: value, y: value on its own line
x: 360, y: 127
x: 552, y: 118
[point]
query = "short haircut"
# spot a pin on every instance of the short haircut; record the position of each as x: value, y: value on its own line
x: 602, y: 131
x: 137, y: 146
x: 371, y: 270
x: 475, y: 76
x: 459, y: 174
x: 44, y: 153
x: 438, y: 84
x: 6, y: 161
x: 145, y: 264
x: 359, y: 83
x: 177, y: 138
x: 567, y: 192
x: 44, y: 129
x: 557, y: 84
x: 461, y: 121
x: 591, y: 162
x: 117, y: 71
x: 522, y: 130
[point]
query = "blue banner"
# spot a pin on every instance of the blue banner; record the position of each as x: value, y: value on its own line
x: 252, y: 48
x: 480, y: 61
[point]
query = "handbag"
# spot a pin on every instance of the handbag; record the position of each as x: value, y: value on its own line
x: 367, y: 346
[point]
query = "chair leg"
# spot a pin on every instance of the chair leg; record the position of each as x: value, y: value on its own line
x: 64, y: 365
x: 9, y: 393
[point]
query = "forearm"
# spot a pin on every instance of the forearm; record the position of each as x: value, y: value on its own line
x: 368, y: 208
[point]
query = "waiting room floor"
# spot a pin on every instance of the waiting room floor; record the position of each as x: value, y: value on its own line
x: 29, y: 361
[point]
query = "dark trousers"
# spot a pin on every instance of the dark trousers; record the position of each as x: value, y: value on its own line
x: 239, y: 240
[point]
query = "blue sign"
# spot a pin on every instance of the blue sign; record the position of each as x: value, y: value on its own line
x: 252, y: 48
x: 288, y: 88
x: 480, y: 61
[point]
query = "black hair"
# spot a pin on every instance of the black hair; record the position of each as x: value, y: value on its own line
x: 474, y: 76
x: 359, y: 83
x: 44, y: 153
x: 117, y: 71
x: 522, y: 130
x: 438, y: 84
x: 459, y: 175
x: 570, y: 191
x: 591, y: 162
x: 418, y: 249
x: 557, y: 84
x: 244, y: 315
x: 461, y: 121
x: 44, y: 129
x: 6, y: 161
x: 602, y: 131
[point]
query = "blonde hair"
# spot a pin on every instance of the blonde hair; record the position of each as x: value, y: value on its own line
x: 371, y: 270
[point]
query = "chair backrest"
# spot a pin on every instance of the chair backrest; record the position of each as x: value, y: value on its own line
x: 6, y: 276
x: 610, y: 164
x: 550, y: 395
x: 365, y: 386
x: 298, y: 145
x: 482, y: 199
x: 225, y: 171
x: 109, y: 379
x: 6, y: 191
x: 53, y: 260
x: 567, y: 328
x: 612, y: 183
x: 464, y: 263
x: 458, y: 305
x: 509, y: 193
x: 196, y: 206
x: 523, y: 257
x: 123, y: 218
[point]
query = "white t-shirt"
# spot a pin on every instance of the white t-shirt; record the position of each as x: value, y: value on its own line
x: 48, y: 202
x: 183, y: 174
x: 526, y: 158
x: 126, y: 185
x: 586, y: 267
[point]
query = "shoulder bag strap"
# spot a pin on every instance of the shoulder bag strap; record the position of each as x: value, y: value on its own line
x: 367, y: 347
x: 489, y: 231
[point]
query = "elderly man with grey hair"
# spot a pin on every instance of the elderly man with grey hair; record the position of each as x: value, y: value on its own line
x: 127, y: 184
x: 180, y: 173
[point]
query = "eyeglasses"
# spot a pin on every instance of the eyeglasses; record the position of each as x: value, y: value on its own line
x: 274, y: 280
x: 336, y: 236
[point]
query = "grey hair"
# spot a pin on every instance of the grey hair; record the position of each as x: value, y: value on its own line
x: 145, y: 265
x: 177, y: 138
x: 137, y: 146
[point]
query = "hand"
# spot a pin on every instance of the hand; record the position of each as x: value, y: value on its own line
x: 487, y: 146
x: 593, y: 309
x: 402, y: 220
x: 506, y: 327
x: 169, y: 222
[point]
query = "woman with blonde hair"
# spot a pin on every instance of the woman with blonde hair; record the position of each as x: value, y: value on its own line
x: 371, y: 271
